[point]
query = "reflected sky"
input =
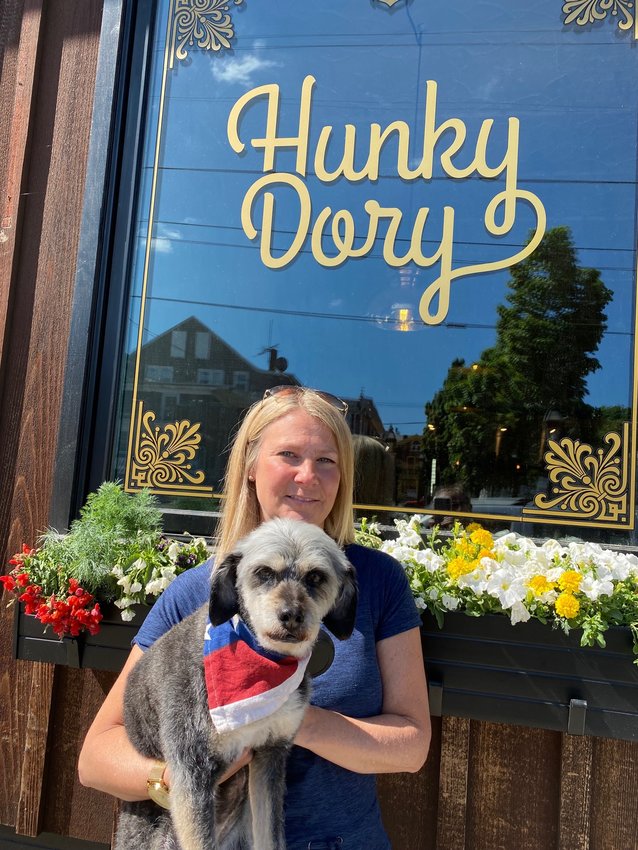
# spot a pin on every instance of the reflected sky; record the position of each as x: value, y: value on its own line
x: 573, y: 91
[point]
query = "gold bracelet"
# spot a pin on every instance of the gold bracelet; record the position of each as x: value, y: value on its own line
x: 157, y: 789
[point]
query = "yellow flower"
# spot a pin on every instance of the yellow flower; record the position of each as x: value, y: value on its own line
x: 567, y: 605
x: 482, y: 538
x: 539, y: 584
x: 485, y: 553
x: 464, y: 546
x: 459, y: 567
x: 570, y: 581
x: 473, y: 526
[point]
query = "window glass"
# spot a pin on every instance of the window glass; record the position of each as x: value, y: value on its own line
x: 425, y: 209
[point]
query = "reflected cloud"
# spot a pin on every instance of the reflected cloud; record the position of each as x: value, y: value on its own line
x: 163, y: 242
x: 240, y: 70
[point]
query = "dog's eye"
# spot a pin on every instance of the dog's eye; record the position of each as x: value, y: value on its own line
x: 314, y: 578
x: 265, y: 574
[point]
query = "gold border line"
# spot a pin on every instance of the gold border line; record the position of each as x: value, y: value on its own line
x: 634, y: 407
x: 149, y: 240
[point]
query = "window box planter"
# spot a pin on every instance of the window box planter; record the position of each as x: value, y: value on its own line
x: 478, y: 667
x: 530, y: 674
x: 107, y: 650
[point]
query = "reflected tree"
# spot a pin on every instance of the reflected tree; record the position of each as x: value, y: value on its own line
x: 488, y: 424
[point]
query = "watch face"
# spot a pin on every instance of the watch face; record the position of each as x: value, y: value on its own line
x: 322, y: 655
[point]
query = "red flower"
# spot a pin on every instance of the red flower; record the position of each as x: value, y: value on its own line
x: 8, y: 582
x: 70, y: 614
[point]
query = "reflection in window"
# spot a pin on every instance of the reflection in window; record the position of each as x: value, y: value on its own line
x: 202, y: 345
x: 159, y: 374
x: 178, y: 344
x: 212, y: 377
x: 534, y: 352
x: 240, y: 381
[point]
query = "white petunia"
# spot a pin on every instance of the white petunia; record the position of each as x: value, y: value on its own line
x: 127, y: 615
x: 506, y: 587
x: 450, y: 602
x: 519, y: 613
x: 593, y: 588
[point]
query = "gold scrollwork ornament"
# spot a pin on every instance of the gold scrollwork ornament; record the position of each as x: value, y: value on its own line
x: 161, y: 455
x: 583, y: 12
x: 205, y: 23
x: 590, y: 484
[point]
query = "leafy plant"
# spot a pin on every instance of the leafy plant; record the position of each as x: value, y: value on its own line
x: 114, y: 551
x: 575, y: 586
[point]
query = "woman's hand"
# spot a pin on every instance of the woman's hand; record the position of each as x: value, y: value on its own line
x: 108, y: 760
x: 244, y: 759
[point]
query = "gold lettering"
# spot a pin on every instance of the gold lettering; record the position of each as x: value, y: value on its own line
x: 271, y: 142
x: 441, y: 285
x: 442, y: 143
x: 268, y: 216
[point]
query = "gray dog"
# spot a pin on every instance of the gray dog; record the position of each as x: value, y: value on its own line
x: 275, y: 589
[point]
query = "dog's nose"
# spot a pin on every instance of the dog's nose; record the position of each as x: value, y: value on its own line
x: 291, y: 617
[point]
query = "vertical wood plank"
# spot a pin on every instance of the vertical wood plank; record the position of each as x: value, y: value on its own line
x: 614, y: 812
x: 25, y: 85
x: 69, y: 808
x: 513, y: 788
x: 38, y: 680
x: 453, y: 779
x: 575, y: 793
x: 409, y: 801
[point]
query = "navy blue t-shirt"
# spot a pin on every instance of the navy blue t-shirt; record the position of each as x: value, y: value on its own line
x: 325, y: 802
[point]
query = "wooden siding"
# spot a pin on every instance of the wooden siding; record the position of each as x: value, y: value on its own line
x: 484, y: 786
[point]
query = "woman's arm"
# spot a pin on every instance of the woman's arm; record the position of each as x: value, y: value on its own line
x: 108, y: 760
x: 395, y: 741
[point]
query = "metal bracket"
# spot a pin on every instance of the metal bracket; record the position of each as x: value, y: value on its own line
x: 576, y: 718
x: 435, y: 696
x: 72, y: 651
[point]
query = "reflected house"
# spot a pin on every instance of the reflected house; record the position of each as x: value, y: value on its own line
x: 363, y: 417
x: 190, y: 373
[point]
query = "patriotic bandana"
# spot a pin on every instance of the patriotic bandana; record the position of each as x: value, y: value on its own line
x: 244, y: 681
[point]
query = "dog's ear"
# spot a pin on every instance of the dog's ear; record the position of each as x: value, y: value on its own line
x: 341, y: 618
x: 224, y: 602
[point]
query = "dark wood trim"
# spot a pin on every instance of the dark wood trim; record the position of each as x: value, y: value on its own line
x: 84, y: 331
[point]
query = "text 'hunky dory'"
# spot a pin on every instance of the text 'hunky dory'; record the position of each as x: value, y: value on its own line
x: 441, y: 144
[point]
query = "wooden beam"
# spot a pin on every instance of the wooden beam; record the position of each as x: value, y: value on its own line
x: 452, y: 810
x: 575, y: 793
x: 38, y: 680
x: 25, y: 84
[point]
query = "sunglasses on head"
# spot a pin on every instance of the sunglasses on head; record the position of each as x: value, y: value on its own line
x: 286, y: 389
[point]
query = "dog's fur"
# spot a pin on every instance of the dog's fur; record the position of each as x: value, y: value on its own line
x: 283, y: 579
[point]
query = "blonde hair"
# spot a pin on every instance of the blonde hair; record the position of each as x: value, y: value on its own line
x: 241, y: 512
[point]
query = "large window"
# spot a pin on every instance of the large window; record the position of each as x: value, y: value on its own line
x: 426, y: 209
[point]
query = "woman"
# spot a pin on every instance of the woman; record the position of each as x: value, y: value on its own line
x: 293, y: 457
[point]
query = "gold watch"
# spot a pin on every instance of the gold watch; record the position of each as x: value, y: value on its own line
x: 157, y: 788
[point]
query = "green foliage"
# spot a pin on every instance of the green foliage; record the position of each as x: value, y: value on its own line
x: 111, y: 525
